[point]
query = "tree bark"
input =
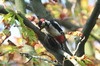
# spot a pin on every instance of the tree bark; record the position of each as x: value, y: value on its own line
x: 88, y: 28
x: 68, y: 25
x: 20, y: 6
x: 39, y: 10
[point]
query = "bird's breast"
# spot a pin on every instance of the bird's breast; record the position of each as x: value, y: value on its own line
x: 53, y: 31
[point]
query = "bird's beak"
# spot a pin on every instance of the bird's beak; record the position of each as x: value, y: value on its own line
x: 41, y: 25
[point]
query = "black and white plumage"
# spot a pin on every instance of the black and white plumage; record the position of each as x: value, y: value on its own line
x: 54, y: 29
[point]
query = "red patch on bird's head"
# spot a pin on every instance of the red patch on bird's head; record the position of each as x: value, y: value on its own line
x: 42, y: 20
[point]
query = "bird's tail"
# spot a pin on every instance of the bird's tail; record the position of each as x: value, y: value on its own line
x: 65, y: 47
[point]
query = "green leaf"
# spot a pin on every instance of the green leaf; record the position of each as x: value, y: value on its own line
x: 24, y: 32
x: 27, y: 32
x: 20, y: 20
x: 81, y: 63
x: 35, y: 60
x: 12, y: 21
x: 10, y: 11
x: 8, y: 16
x: 6, y: 32
x: 87, y: 61
x: 7, y: 51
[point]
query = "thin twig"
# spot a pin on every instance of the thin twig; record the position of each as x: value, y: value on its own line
x: 66, y: 55
x: 78, y: 45
x: 41, y: 58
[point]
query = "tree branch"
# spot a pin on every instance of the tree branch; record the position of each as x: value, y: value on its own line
x: 20, y: 5
x: 2, y: 10
x: 50, y: 44
x: 40, y: 10
x: 39, y: 57
x: 68, y: 25
x: 88, y: 28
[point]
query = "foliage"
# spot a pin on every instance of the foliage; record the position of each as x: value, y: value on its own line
x: 10, y: 51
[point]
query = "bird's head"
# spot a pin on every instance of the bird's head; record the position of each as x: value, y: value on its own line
x: 42, y: 23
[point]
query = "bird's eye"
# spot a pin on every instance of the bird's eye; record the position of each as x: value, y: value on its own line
x: 41, y: 24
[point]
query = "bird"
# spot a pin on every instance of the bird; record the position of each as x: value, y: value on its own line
x: 54, y: 29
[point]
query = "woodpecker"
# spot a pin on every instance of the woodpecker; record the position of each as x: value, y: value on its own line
x: 54, y: 29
